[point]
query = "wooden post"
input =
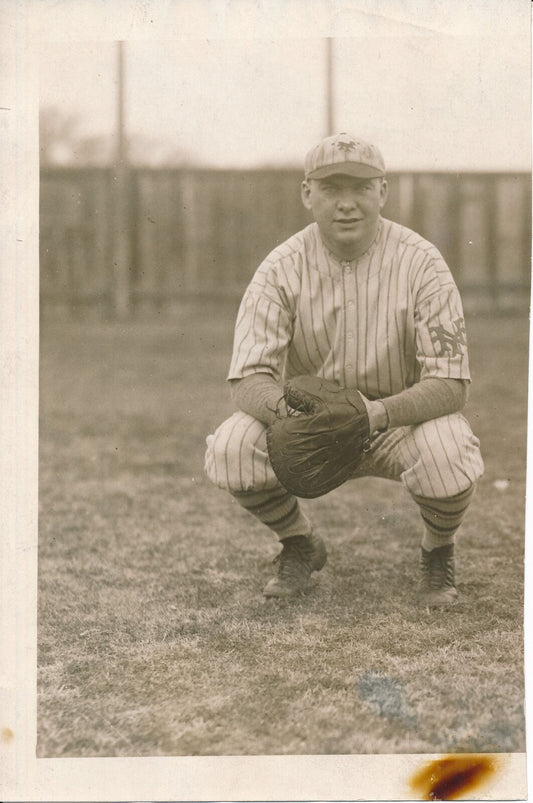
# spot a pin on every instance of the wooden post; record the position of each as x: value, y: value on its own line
x: 121, y: 234
x: 454, y: 222
x: 526, y: 230
x: 191, y: 252
x: 490, y: 200
x: 330, y: 115
x: 406, y: 198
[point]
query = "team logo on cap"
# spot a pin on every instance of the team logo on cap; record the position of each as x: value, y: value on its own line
x: 347, y: 146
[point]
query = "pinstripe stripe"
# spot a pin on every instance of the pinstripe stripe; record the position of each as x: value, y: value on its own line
x: 367, y: 318
x: 219, y: 436
x: 253, y: 462
x: 409, y: 444
x: 265, y: 332
x: 250, y: 334
x: 429, y: 283
x: 383, y: 311
x: 255, y: 450
x: 305, y: 339
x: 323, y: 311
x: 291, y: 298
x: 337, y: 356
x: 321, y: 358
x: 402, y: 336
x: 243, y: 327
x: 436, y: 473
x: 465, y: 451
x: 210, y: 467
x: 420, y: 268
x: 389, y: 355
x: 458, y: 450
x: 375, y: 336
x: 447, y: 457
x: 343, y: 329
x: 241, y: 448
x: 237, y: 423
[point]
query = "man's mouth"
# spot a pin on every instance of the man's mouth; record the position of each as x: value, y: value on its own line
x: 346, y: 221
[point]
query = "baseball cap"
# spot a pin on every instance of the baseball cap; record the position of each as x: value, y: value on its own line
x: 344, y: 153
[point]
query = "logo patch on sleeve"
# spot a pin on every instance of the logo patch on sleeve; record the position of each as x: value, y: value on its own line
x: 449, y: 344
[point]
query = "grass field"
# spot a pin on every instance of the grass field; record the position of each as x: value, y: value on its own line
x: 154, y: 638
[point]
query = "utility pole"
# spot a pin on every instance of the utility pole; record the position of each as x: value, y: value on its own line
x: 120, y: 194
x: 330, y: 115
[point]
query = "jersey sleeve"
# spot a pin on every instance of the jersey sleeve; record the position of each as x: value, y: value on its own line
x: 262, y: 333
x: 441, y: 344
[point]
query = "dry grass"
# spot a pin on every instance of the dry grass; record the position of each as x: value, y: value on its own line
x: 154, y: 638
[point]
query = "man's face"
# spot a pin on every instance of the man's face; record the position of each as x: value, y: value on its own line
x: 346, y: 210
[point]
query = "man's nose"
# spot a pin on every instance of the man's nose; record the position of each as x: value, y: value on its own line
x: 347, y: 200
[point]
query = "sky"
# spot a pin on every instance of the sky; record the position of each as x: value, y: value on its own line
x: 448, y: 91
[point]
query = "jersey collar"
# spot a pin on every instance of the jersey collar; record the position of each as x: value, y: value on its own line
x: 341, y: 263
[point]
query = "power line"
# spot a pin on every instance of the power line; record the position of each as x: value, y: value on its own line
x: 330, y: 114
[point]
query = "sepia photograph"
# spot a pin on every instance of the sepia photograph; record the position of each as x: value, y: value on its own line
x: 283, y: 348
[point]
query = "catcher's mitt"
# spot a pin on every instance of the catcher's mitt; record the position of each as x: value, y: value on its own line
x: 318, y: 447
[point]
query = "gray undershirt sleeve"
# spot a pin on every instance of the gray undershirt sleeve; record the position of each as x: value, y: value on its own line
x: 431, y: 398
x: 259, y: 394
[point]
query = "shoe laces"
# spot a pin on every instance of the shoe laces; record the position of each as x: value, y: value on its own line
x: 295, y: 558
x: 438, y: 567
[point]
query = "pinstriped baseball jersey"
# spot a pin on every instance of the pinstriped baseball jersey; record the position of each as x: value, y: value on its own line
x: 379, y: 323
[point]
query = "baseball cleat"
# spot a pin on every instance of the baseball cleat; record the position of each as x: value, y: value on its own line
x: 437, y: 584
x: 301, y: 555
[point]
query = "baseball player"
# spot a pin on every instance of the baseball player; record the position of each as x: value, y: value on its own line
x: 370, y: 304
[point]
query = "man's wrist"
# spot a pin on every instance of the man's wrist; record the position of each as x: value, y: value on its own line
x: 378, y: 417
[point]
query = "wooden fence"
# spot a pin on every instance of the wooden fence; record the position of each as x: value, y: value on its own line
x: 191, y: 232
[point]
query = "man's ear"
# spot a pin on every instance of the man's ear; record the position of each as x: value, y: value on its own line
x: 384, y: 193
x: 305, y: 193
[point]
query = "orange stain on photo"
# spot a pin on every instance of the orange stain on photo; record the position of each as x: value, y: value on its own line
x: 451, y: 777
x: 7, y: 735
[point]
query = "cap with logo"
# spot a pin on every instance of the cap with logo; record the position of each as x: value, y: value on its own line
x: 344, y: 153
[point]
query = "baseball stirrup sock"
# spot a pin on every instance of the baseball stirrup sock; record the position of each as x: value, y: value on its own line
x: 277, y: 509
x: 442, y: 517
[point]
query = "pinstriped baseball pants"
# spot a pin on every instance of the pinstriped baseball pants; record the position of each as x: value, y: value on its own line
x: 437, y: 459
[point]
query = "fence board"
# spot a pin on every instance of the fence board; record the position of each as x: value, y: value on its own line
x: 473, y: 236
x: 510, y: 202
x: 75, y: 240
x: 198, y: 231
